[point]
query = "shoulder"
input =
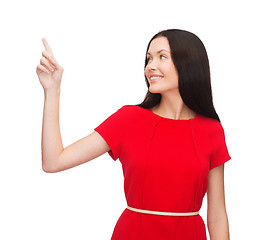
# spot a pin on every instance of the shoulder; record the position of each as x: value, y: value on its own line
x: 133, y: 111
x: 135, y: 116
x: 211, y: 126
x: 128, y: 113
x: 131, y: 107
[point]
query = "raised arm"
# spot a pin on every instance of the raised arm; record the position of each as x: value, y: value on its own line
x: 54, y: 157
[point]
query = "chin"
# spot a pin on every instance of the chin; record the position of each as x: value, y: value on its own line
x: 160, y: 88
x: 155, y: 89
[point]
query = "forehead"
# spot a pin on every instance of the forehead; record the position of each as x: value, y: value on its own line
x: 158, y: 44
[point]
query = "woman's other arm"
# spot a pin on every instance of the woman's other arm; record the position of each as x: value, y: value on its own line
x: 217, y: 220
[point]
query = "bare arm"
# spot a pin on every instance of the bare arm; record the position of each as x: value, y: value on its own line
x: 54, y: 157
x: 81, y: 151
x: 217, y: 220
x: 52, y: 145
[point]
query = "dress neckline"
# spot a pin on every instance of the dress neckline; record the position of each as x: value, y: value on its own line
x: 170, y: 119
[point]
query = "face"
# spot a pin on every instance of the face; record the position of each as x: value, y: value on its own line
x: 160, y: 64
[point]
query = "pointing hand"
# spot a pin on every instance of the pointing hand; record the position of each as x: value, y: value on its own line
x: 49, y: 70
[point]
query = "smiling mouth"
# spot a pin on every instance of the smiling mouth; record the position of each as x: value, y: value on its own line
x: 156, y: 79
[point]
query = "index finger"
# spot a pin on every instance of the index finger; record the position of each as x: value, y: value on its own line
x: 47, y: 46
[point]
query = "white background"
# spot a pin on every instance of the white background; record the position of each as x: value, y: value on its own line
x: 101, y: 45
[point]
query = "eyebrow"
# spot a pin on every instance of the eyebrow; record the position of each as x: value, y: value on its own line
x: 159, y: 51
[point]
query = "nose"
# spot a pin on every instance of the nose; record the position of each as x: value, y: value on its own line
x: 152, y: 65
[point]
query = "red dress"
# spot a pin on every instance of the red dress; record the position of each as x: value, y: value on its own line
x: 165, y: 164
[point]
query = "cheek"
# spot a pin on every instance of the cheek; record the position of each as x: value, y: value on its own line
x: 170, y: 71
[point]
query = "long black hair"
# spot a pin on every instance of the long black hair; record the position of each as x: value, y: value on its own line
x: 191, y: 61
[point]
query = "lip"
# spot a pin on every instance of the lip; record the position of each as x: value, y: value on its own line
x: 155, y: 75
x: 155, y: 80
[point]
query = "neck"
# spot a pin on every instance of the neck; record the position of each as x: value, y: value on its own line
x: 173, y: 107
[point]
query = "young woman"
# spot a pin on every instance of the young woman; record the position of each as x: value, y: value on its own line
x: 171, y: 146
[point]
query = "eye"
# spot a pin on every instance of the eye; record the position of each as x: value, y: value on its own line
x: 148, y: 59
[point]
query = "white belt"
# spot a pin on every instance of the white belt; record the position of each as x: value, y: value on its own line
x: 162, y: 213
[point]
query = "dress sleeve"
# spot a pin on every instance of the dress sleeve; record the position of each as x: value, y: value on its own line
x: 220, y: 152
x: 112, y: 130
